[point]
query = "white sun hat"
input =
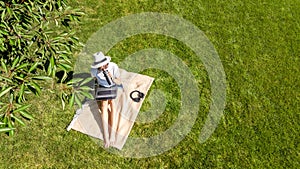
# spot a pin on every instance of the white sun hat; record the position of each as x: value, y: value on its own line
x: 100, y: 60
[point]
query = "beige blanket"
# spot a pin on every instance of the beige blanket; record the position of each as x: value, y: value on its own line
x: 88, y: 120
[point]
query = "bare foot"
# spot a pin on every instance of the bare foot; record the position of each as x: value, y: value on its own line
x: 112, y: 139
x: 106, y: 145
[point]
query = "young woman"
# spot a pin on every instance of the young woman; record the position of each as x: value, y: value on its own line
x: 107, y: 75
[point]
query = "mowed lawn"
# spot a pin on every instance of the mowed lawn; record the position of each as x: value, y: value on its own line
x: 258, y: 43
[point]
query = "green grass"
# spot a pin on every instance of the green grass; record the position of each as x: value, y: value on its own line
x: 258, y: 44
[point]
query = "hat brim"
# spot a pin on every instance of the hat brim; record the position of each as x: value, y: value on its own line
x: 97, y: 65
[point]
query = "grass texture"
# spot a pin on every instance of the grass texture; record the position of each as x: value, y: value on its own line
x: 258, y: 43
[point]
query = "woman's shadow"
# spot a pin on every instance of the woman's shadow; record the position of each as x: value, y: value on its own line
x: 91, y: 103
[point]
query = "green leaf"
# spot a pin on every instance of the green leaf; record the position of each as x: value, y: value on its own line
x: 4, y: 32
x: 4, y: 108
x: 5, y: 91
x: 65, y: 66
x: 63, y: 102
x: 71, y: 101
x: 3, y: 14
x: 42, y: 78
x: 22, y: 66
x: 64, y: 76
x: 2, y: 25
x: 52, y: 61
x: 49, y: 71
x: 17, y: 18
x: 51, y: 66
x: 6, y: 129
x: 19, y: 43
x: 78, y: 102
x: 5, y: 120
x: 26, y: 115
x: 86, y: 80
x: 17, y: 119
x: 62, y: 67
x: 33, y: 66
x: 87, y: 94
x: 11, y: 98
x: 15, y: 62
x: 74, y: 80
x: 9, y: 123
x: 4, y: 66
x: 12, y: 43
x: 20, y: 78
x: 36, y: 86
x: 21, y: 92
x: 8, y: 10
x: 5, y: 78
x: 22, y: 108
x: 85, y: 88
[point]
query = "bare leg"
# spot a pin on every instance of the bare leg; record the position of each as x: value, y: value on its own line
x: 112, y: 122
x: 104, y: 117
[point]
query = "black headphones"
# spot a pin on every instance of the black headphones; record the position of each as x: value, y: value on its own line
x: 140, y: 95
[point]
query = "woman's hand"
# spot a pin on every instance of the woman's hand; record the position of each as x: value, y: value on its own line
x: 117, y: 81
x: 110, y: 75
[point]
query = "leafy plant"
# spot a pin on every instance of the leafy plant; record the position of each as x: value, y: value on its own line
x: 37, y: 43
x: 74, y: 91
